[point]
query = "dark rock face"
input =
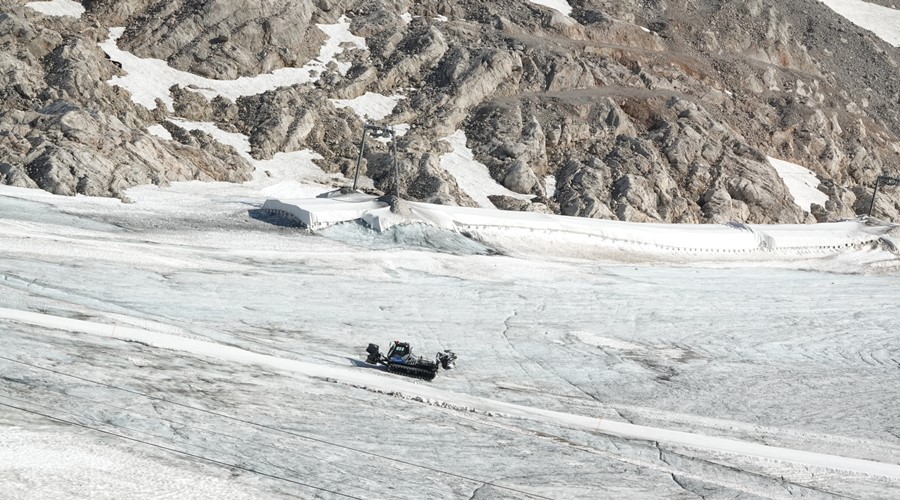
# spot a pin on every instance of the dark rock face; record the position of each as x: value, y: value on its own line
x: 294, y: 118
x: 64, y: 130
x: 642, y: 111
x: 225, y: 39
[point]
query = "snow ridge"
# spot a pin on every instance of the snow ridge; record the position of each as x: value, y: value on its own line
x: 529, y: 233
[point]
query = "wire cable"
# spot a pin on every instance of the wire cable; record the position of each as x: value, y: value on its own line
x: 174, y: 421
x: 180, y: 452
x: 283, y: 431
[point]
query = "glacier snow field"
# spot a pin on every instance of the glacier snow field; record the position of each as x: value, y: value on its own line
x: 208, y: 351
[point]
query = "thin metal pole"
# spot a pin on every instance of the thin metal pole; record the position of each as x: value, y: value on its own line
x: 396, y: 168
x: 362, y: 149
x: 875, y: 192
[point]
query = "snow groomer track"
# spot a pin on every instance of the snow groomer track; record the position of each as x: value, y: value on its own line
x: 463, y: 402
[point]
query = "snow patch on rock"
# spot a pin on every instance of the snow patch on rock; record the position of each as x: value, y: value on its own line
x: 159, y: 131
x: 801, y: 183
x: 550, y: 186
x: 150, y: 79
x: 883, y: 21
x: 471, y: 175
x: 285, y: 175
x: 371, y: 105
x: 561, y: 6
x: 58, y: 8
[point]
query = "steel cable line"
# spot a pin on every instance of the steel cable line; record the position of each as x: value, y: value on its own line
x: 164, y: 439
x: 179, y: 422
x: 276, y: 429
x: 174, y: 450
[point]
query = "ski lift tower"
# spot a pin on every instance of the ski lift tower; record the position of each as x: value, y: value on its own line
x: 883, y: 180
x: 379, y: 131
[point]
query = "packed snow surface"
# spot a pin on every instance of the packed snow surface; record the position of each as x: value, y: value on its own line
x: 196, y: 343
x: 150, y: 79
x: 883, y: 21
x: 46, y: 463
x: 801, y: 183
x: 69, y: 8
x: 197, y: 337
x: 411, y: 389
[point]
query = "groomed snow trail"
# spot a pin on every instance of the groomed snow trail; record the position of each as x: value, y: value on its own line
x: 434, y: 395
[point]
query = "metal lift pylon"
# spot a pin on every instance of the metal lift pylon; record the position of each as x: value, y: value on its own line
x: 379, y: 131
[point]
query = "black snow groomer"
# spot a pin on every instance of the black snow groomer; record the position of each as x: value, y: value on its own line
x: 400, y: 359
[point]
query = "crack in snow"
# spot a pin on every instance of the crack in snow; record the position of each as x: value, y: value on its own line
x: 684, y: 487
x: 474, y: 493
x: 623, y: 417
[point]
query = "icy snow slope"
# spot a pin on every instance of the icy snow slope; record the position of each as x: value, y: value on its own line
x: 803, y: 361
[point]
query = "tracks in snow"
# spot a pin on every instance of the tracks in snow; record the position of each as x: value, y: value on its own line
x: 833, y: 463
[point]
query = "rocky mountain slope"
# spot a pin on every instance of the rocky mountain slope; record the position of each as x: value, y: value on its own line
x: 654, y: 110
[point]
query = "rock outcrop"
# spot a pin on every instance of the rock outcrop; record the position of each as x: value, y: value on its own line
x: 642, y: 111
x: 64, y: 130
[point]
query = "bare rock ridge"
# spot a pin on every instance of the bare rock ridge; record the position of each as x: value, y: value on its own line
x: 660, y: 110
x: 64, y: 130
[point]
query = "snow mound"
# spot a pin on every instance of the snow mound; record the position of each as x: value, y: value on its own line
x: 574, y: 237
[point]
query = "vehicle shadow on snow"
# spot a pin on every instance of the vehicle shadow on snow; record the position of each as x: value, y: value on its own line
x: 362, y: 364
